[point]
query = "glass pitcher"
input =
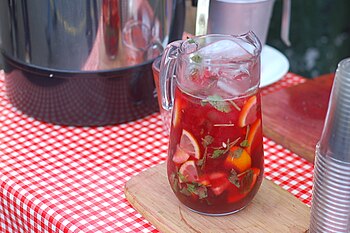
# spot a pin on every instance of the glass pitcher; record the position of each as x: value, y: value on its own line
x: 215, y: 158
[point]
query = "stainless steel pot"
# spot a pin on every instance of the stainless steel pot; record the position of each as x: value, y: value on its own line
x: 85, y: 62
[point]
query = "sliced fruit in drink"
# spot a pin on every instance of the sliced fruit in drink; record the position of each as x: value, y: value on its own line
x: 218, y: 182
x: 238, y: 159
x: 177, y: 113
x: 180, y: 156
x: 254, y: 132
x: 248, y: 112
x: 248, y: 180
x: 247, y: 183
x: 188, y: 172
x: 189, y: 144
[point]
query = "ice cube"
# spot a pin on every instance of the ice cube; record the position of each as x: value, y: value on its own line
x: 223, y: 49
x: 234, y: 82
x: 228, y: 90
x: 233, y: 89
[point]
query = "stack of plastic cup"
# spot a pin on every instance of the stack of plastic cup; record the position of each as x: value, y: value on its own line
x: 330, y: 209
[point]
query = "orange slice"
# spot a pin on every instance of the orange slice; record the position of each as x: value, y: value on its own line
x: 248, y: 112
x: 188, y: 171
x: 177, y: 113
x: 238, y: 159
x: 189, y: 144
x: 254, y: 131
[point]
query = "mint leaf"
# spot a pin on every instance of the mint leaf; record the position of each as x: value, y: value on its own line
x: 182, y: 177
x: 236, y: 153
x: 218, y: 103
x: 207, y: 140
x: 244, y: 143
x: 217, y: 153
x: 191, y: 188
x: 191, y: 41
x: 174, y: 182
x: 247, y: 181
x: 201, y: 162
x: 202, y: 192
x: 233, y: 178
x: 198, y: 189
x: 196, y: 58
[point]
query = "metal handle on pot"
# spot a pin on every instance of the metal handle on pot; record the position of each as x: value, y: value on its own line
x: 202, y: 17
x: 285, y: 22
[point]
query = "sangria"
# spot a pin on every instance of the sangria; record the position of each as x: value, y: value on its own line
x: 215, y: 156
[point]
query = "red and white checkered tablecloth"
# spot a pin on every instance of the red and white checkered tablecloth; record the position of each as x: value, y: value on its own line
x: 71, y: 179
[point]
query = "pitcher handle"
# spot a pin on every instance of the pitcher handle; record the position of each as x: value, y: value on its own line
x: 167, y: 74
x: 286, y: 22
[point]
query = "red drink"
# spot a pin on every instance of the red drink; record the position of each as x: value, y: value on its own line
x: 215, y: 156
x: 215, y: 163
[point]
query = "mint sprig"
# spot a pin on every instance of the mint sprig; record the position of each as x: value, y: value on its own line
x: 245, y: 142
x: 218, y: 103
x: 224, y: 149
x: 198, y: 189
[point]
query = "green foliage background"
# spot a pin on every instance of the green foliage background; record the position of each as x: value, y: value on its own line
x: 319, y: 34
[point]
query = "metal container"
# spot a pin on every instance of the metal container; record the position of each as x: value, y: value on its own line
x: 237, y: 17
x: 243, y: 16
x: 85, y: 62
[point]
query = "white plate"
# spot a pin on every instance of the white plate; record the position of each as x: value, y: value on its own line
x: 274, y: 65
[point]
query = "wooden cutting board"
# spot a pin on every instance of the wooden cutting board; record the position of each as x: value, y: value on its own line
x: 294, y: 116
x: 272, y: 210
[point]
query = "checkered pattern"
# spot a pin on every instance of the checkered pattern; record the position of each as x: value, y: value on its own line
x: 288, y: 170
x: 290, y: 79
x: 71, y: 179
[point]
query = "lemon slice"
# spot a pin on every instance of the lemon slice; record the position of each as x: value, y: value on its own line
x: 180, y: 156
x: 188, y: 171
x: 189, y: 144
x: 248, y: 112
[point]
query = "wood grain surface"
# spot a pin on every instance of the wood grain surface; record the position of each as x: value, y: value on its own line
x: 272, y: 210
x: 294, y: 116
